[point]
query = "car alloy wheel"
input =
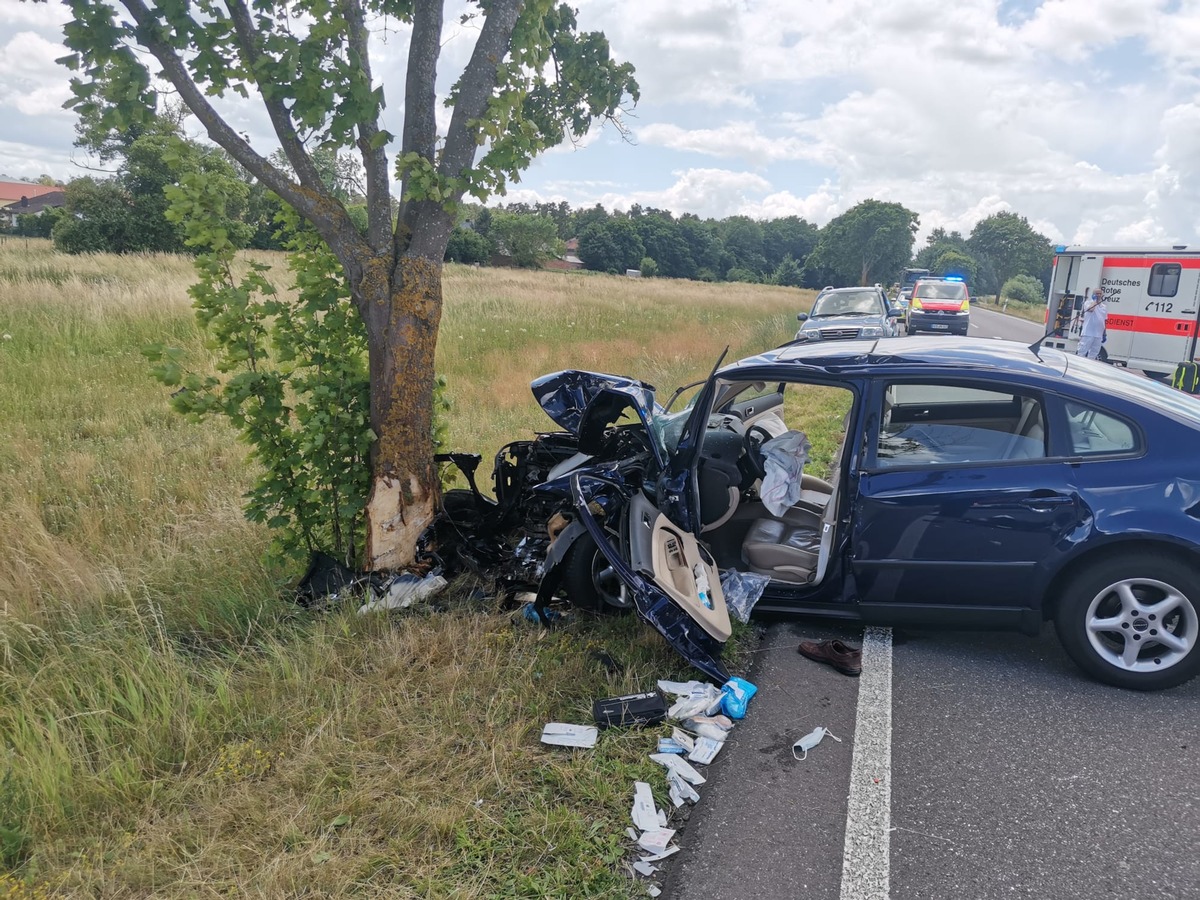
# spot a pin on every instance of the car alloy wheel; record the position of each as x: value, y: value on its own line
x: 591, y: 581
x: 1133, y: 622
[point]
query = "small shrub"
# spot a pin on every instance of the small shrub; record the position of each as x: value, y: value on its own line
x: 1024, y: 289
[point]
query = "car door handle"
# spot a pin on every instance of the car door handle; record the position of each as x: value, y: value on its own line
x: 1046, y: 503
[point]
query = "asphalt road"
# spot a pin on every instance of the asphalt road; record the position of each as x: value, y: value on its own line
x: 990, y: 768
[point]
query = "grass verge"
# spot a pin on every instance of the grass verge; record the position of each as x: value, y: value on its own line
x: 170, y: 727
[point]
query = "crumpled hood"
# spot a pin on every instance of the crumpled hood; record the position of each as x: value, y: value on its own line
x: 565, y: 395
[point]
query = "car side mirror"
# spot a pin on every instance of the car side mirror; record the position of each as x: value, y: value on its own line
x: 895, y: 312
x: 801, y: 317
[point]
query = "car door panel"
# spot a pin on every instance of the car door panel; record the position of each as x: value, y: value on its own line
x: 960, y: 535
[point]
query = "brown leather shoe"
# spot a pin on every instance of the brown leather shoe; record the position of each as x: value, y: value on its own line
x: 844, y: 658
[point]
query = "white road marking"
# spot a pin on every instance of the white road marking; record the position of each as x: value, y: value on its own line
x: 866, y: 857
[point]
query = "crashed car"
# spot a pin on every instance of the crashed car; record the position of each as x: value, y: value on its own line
x: 971, y: 484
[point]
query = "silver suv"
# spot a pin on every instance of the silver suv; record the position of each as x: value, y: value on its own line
x: 844, y: 314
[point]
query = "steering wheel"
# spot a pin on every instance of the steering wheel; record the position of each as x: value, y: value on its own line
x: 753, y: 448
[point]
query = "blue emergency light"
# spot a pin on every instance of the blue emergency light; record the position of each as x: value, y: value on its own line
x: 952, y: 278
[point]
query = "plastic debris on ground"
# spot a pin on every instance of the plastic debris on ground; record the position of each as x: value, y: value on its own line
x: 736, y: 694
x: 402, y: 591
x: 811, y: 740
x: 530, y: 614
x: 670, y: 745
x: 696, y: 698
x: 644, y: 868
x: 742, y: 590
x: 656, y: 839
x: 653, y: 891
x: 715, y: 727
x: 563, y: 734
x: 680, y: 791
x: 705, y: 751
x: 682, y: 738
x: 643, y: 813
x: 680, y: 766
x: 784, y: 458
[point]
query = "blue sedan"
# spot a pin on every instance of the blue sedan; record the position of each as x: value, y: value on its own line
x: 980, y: 484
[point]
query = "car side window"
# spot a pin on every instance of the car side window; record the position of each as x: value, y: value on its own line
x: 1096, y: 432
x: 945, y: 424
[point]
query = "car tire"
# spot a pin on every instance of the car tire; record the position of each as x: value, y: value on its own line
x: 1114, y: 616
x: 591, y: 583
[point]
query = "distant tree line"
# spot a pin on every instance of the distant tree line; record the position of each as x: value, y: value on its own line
x: 869, y: 243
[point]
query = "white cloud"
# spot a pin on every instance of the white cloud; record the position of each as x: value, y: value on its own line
x: 35, y: 85
x: 714, y: 193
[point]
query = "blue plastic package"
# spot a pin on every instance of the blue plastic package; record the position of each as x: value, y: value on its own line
x: 735, y: 697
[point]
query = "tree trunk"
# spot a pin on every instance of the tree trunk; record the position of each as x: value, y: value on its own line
x: 404, y: 309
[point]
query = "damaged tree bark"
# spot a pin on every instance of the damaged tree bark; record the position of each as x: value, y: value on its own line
x: 532, y: 80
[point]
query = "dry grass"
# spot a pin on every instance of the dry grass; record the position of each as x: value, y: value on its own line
x: 171, y: 728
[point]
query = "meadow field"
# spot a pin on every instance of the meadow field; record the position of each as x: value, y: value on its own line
x: 172, y: 726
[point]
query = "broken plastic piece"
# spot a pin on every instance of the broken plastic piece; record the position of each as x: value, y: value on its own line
x: 680, y: 766
x: 736, y: 694
x: 811, y: 740
x: 562, y: 734
x: 653, y: 891
x: 682, y: 738
x: 402, y: 591
x: 670, y: 851
x: 644, y: 868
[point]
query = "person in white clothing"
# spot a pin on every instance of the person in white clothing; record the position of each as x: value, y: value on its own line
x: 1095, y: 314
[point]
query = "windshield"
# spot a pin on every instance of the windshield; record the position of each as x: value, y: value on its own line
x: 849, y: 303
x: 940, y: 290
x: 667, y: 428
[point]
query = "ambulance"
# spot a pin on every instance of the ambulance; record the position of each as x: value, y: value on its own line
x: 1152, y: 298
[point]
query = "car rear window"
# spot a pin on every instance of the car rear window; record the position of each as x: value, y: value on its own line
x: 940, y: 290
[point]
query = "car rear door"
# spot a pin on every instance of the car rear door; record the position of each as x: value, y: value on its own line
x: 959, y: 501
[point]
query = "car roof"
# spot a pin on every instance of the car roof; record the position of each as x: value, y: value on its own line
x: 896, y: 357
x: 866, y: 287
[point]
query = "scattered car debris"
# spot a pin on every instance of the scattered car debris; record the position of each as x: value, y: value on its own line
x: 655, y: 840
x: 643, y: 813
x: 670, y: 745
x: 715, y: 727
x: 679, y: 790
x: 735, y: 699
x: 705, y: 751
x: 742, y: 590
x: 811, y: 740
x: 647, y: 708
x: 563, y: 734
x: 401, y: 591
x: 679, y: 766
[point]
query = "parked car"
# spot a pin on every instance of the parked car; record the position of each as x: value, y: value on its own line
x: 940, y: 305
x: 974, y: 484
x: 849, y: 313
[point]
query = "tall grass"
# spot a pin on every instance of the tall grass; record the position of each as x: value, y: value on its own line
x: 171, y: 727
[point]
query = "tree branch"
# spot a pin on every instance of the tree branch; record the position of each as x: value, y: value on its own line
x: 293, y: 148
x: 420, y: 97
x: 325, y: 213
x: 476, y: 86
x: 375, y: 163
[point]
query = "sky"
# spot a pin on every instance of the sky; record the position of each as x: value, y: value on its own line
x: 1081, y: 115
